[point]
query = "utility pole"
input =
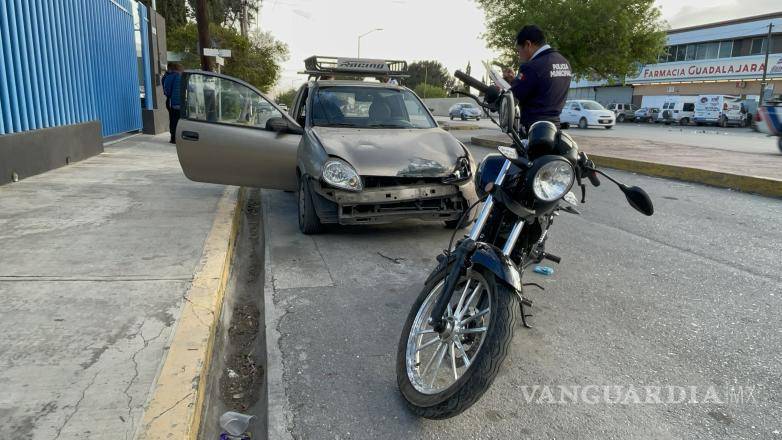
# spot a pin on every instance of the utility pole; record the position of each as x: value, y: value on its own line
x: 202, y: 21
x: 358, y: 52
x: 765, y: 65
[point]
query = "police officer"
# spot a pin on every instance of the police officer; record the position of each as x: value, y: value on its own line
x: 543, y: 81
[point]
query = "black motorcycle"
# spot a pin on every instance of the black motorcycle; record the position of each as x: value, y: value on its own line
x: 459, y: 329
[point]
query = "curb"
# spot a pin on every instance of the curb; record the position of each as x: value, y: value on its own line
x: 176, y: 404
x: 764, y: 186
x: 279, y: 416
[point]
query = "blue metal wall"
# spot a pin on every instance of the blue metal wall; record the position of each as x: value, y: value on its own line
x: 66, y: 62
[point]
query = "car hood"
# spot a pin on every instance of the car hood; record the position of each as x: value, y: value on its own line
x: 600, y: 113
x: 393, y: 152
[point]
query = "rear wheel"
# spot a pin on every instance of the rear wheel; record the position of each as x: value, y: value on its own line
x: 684, y: 121
x: 582, y: 123
x: 309, y: 223
x: 620, y: 118
x: 442, y: 374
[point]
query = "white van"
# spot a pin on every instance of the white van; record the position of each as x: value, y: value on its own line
x: 680, y: 112
x: 666, y: 111
x: 722, y: 110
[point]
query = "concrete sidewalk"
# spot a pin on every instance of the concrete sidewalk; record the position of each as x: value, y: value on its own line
x: 96, y: 258
x: 749, y: 172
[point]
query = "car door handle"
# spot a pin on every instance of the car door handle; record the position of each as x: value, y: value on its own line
x: 190, y: 135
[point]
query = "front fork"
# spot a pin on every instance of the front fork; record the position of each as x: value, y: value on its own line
x: 465, y: 250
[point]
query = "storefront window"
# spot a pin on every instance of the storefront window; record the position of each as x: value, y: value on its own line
x: 726, y: 48
x: 758, y: 46
x: 690, y: 55
x: 680, y: 52
x: 707, y: 51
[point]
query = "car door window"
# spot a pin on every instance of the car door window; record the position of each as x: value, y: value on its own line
x: 575, y: 107
x: 689, y: 107
x: 224, y: 101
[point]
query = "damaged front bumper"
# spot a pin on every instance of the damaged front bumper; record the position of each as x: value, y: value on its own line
x: 425, y: 201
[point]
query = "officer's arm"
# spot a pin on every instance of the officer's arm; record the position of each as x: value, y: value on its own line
x: 523, y: 85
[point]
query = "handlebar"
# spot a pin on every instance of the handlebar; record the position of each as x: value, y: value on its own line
x: 592, y: 176
x: 490, y: 92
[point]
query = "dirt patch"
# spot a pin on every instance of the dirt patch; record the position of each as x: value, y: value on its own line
x: 240, y: 383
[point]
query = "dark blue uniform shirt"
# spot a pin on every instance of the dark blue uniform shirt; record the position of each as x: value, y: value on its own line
x: 541, y: 87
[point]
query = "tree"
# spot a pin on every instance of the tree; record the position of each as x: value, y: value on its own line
x: 287, y: 97
x: 173, y: 11
x: 600, y: 38
x: 432, y: 71
x: 231, y: 12
x: 430, y: 91
x: 255, y: 59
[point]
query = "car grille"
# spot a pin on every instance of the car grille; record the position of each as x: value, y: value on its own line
x: 383, y: 181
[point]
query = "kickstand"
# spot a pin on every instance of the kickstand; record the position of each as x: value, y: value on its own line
x: 524, y: 316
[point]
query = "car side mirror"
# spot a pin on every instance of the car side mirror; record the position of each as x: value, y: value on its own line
x: 282, y: 125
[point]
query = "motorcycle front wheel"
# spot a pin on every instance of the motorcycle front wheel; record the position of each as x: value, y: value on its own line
x: 442, y: 374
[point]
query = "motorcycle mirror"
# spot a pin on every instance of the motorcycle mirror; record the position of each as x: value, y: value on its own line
x: 638, y: 199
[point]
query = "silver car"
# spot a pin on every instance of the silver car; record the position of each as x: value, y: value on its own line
x: 355, y: 152
x: 465, y: 111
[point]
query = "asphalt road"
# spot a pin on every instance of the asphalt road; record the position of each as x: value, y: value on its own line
x: 743, y: 140
x: 687, y: 298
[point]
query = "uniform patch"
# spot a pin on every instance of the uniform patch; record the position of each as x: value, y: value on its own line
x: 559, y: 70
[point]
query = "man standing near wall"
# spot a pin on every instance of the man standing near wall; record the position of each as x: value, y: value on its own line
x: 171, y: 88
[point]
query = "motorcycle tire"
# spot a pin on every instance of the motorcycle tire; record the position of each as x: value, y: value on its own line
x: 484, y: 366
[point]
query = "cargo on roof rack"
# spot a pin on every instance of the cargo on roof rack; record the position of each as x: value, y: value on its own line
x: 318, y: 66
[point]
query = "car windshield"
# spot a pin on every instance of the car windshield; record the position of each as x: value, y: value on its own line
x: 368, y: 107
x: 468, y: 105
x: 591, y: 105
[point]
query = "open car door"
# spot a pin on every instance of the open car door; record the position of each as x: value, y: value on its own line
x: 229, y: 133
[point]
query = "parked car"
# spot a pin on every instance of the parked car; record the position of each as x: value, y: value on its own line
x: 465, y: 111
x: 646, y: 114
x: 623, y: 112
x: 679, y: 112
x: 282, y: 106
x: 355, y: 152
x: 586, y: 113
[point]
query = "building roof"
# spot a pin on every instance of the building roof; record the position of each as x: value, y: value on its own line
x: 766, y: 17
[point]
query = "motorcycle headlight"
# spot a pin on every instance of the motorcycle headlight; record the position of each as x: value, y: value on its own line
x: 553, y: 180
x: 340, y: 174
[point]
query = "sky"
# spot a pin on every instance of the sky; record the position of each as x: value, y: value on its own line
x: 445, y: 30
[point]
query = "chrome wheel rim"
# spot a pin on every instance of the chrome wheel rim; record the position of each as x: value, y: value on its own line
x: 437, y: 361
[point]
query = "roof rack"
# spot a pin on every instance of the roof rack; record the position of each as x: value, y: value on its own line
x: 318, y: 66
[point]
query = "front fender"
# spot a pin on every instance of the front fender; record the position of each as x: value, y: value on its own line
x: 492, y: 259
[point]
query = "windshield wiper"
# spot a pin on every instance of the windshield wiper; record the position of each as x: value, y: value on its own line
x: 337, y: 124
x: 388, y: 126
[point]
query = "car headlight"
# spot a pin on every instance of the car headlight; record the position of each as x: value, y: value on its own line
x: 553, y: 180
x: 340, y: 174
x: 461, y: 172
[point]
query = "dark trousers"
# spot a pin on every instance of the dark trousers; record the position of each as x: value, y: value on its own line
x: 173, y: 119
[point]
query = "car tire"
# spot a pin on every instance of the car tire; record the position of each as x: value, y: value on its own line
x: 477, y: 119
x: 684, y: 121
x: 620, y: 118
x: 582, y: 123
x: 464, y: 118
x: 564, y: 125
x: 452, y: 117
x: 608, y: 127
x: 309, y: 223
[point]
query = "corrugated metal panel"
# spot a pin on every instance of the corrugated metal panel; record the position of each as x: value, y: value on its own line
x: 68, y: 61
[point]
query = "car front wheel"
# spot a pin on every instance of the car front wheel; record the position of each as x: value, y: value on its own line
x: 582, y: 123
x: 309, y: 223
